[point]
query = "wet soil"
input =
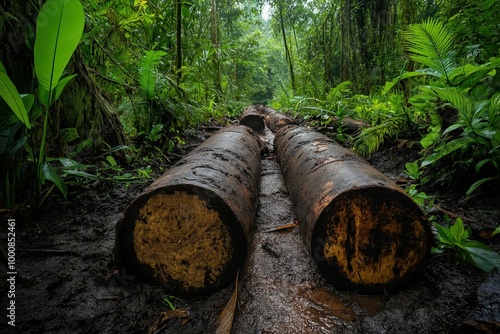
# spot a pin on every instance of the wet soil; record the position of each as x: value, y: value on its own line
x: 67, y: 281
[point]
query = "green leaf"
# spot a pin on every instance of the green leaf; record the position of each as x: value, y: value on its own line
x: 412, y: 169
x: 58, y: 31
x: 457, y: 231
x: 8, y: 145
x: 497, y: 230
x: 43, y: 93
x: 9, y: 93
x: 51, y: 174
x: 481, y: 163
x: 477, y: 184
x: 390, y: 84
x: 431, y: 137
x: 148, y: 79
x: 430, y: 44
x: 445, y: 149
x: 480, y: 255
x: 458, y: 100
x: 444, y: 234
x: 28, y: 100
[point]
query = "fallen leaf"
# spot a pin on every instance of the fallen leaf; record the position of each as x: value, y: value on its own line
x: 281, y: 227
x: 225, y: 320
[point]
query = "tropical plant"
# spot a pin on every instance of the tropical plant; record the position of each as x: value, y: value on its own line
x: 58, y: 31
x: 11, y: 145
x: 11, y: 139
x: 456, y: 237
x: 471, y: 136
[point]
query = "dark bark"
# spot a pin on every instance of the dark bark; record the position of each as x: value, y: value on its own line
x: 366, y: 234
x: 190, y: 229
x: 252, y: 118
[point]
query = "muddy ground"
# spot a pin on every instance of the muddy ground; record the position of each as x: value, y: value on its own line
x: 70, y: 284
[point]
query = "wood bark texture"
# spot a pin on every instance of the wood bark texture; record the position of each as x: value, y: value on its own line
x: 252, y: 118
x: 274, y: 119
x: 365, y: 233
x: 190, y: 228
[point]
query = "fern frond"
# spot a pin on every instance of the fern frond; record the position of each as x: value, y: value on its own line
x: 148, y: 79
x: 370, y: 139
x: 430, y: 44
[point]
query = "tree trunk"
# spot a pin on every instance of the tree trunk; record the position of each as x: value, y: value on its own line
x: 190, y: 229
x: 274, y: 119
x: 366, y: 234
x: 287, y: 49
x: 214, y: 36
x: 252, y: 118
x: 178, y: 34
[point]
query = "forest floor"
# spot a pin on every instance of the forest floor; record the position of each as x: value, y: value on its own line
x: 70, y: 284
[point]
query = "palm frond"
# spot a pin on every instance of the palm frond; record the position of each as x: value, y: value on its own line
x: 430, y: 44
x: 459, y: 101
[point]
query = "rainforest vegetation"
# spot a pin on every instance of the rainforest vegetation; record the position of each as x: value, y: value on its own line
x: 136, y: 74
x: 99, y: 97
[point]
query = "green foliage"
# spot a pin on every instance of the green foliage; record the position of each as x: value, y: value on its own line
x: 470, y: 141
x: 148, y: 78
x: 413, y: 170
x: 430, y: 44
x: 59, y: 29
x: 12, y: 97
x: 474, y: 252
x: 370, y: 139
x: 421, y: 198
x: 11, y: 164
x: 58, y: 32
x: 389, y: 120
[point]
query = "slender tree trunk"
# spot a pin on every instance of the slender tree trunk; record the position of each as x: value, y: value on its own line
x: 178, y: 9
x: 287, y: 50
x: 214, y: 27
x: 345, y: 32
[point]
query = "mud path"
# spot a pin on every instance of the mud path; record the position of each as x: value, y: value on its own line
x: 280, y: 290
x: 79, y: 290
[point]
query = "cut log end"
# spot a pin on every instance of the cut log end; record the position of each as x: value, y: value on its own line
x: 182, y: 239
x: 372, y: 239
x: 254, y: 122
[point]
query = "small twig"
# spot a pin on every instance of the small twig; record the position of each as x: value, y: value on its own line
x: 455, y: 215
x: 281, y: 227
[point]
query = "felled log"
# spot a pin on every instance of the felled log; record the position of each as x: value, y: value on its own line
x: 349, y: 125
x: 274, y: 119
x: 365, y: 233
x: 252, y: 118
x: 189, y: 230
